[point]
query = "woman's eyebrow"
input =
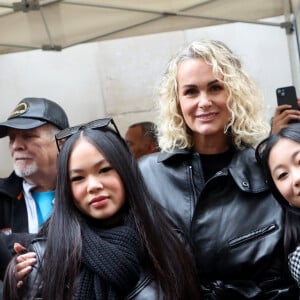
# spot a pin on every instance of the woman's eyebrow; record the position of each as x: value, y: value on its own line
x: 213, y: 82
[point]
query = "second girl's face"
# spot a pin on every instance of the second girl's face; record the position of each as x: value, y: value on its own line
x: 284, y: 163
x: 202, y: 98
x: 97, y: 188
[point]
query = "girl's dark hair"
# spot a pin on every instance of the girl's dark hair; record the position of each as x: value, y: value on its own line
x: 170, y: 263
x: 292, y: 214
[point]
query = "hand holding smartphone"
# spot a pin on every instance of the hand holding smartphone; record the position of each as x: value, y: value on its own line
x: 287, y: 95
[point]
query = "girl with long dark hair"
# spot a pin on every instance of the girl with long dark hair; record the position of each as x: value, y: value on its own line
x: 106, y: 239
x: 280, y: 157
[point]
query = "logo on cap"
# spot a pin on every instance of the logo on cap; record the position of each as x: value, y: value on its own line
x: 20, y: 109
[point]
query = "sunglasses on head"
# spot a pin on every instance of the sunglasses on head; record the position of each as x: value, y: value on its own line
x: 64, y: 134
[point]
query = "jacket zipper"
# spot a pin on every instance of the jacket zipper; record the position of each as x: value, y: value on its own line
x: 192, y: 185
x: 252, y: 235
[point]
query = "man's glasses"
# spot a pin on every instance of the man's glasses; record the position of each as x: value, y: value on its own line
x: 64, y: 134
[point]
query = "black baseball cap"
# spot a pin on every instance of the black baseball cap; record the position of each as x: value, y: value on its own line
x: 34, y: 112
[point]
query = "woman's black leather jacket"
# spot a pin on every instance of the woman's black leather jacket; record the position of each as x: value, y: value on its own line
x: 232, y: 221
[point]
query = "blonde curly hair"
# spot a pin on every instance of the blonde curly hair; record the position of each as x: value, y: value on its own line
x: 244, y: 102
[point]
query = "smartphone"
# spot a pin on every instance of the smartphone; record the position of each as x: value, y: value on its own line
x: 287, y: 95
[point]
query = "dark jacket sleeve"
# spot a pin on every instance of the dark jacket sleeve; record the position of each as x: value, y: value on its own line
x: 7, y: 247
x: 5, y: 255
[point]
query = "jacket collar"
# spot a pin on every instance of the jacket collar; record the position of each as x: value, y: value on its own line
x: 243, y: 168
x: 164, y: 156
x: 11, y: 186
x: 246, y: 171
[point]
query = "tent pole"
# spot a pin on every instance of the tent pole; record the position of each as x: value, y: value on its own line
x: 293, y: 39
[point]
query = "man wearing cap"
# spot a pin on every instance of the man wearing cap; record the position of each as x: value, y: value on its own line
x: 27, y: 195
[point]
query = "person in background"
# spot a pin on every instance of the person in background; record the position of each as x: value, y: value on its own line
x: 283, y: 115
x: 27, y: 195
x: 106, y: 233
x: 141, y: 139
x: 207, y: 177
x: 279, y: 156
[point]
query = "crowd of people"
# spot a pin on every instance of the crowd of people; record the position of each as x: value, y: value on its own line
x: 201, y: 205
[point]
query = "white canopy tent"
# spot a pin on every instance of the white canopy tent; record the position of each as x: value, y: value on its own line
x: 118, y: 77
x: 58, y: 24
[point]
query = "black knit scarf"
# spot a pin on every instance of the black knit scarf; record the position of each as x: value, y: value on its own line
x: 110, y: 262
